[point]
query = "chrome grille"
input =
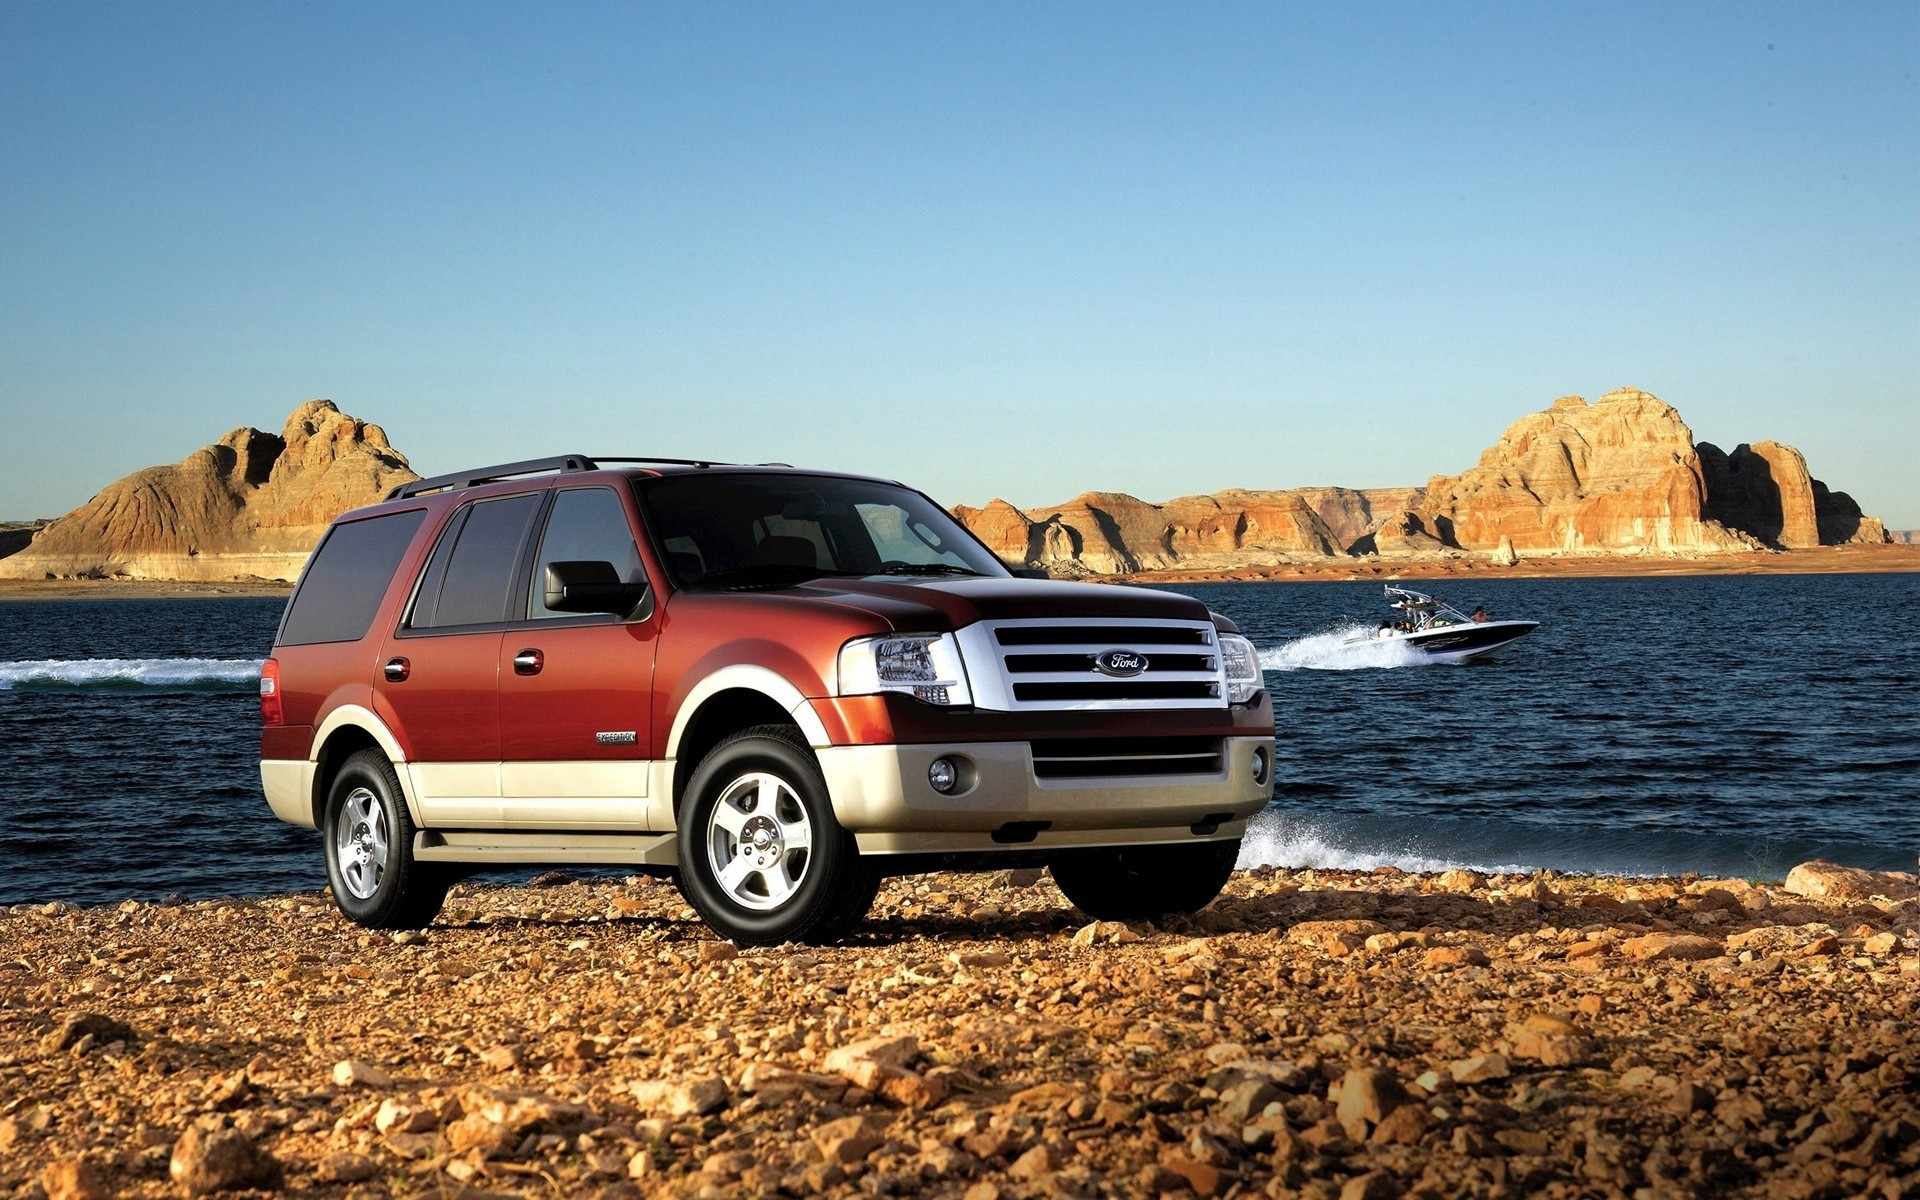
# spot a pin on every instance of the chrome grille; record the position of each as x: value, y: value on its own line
x: 1041, y: 664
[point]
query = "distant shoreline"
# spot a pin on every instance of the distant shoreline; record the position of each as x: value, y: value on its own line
x: 1892, y: 558
x: 138, y: 589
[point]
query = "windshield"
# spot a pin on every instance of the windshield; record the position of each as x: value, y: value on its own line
x: 739, y: 530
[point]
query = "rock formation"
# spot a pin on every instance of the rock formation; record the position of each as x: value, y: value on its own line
x: 1616, y: 476
x: 1621, y: 475
x: 1106, y: 533
x: 251, y: 505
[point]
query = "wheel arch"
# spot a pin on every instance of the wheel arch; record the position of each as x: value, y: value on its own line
x: 346, y: 731
x: 727, y: 701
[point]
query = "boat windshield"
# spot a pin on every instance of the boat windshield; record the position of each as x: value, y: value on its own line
x: 1424, y: 611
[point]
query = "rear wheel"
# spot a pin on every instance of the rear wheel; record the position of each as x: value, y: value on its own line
x: 369, y: 837
x: 1144, y: 883
x: 762, y: 858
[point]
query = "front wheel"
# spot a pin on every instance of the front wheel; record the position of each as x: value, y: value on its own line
x: 762, y: 858
x: 370, y: 864
x: 1144, y: 883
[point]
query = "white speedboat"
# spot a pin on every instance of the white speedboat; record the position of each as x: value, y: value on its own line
x: 1441, y: 632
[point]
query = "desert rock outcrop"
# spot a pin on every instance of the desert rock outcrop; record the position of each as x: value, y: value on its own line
x: 251, y: 505
x: 1619, y: 475
x: 1107, y: 533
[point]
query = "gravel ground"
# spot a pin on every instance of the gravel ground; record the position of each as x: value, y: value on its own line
x: 1317, y: 1034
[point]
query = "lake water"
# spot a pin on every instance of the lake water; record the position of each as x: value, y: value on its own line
x: 1731, y: 725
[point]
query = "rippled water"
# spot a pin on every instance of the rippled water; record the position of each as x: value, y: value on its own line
x: 1728, y: 725
x: 1721, y: 725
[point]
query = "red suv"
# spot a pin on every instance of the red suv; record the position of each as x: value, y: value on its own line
x: 777, y: 685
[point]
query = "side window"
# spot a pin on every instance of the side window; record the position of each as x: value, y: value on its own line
x: 586, y: 525
x: 349, y: 574
x: 470, y: 579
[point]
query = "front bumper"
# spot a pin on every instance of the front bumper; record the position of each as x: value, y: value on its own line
x: 881, y: 794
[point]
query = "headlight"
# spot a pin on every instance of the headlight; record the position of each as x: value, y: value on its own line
x: 925, y: 666
x: 1243, y: 668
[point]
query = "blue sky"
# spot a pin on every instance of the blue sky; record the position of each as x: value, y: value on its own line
x: 1015, y: 250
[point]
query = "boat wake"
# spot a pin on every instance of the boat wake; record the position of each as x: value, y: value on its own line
x: 1275, y: 839
x: 1332, y: 651
x: 133, y: 674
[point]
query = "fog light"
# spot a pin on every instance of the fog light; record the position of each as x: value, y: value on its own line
x: 943, y: 775
x: 1260, y: 764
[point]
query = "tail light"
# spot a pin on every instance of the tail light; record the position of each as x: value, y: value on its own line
x: 271, y: 713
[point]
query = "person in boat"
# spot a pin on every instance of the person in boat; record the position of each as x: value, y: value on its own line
x: 1385, y: 630
x: 1480, y: 614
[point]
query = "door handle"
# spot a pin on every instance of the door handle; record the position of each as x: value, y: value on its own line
x: 528, y: 662
x: 397, y: 670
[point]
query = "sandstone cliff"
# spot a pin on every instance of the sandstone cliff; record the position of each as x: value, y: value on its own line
x: 251, y: 505
x: 1616, y: 476
x: 1619, y: 476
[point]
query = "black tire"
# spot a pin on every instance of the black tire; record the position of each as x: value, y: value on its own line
x: 774, y: 894
x: 369, y: 846
x: 1145, y: 883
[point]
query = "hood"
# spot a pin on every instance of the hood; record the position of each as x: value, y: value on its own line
x: 941, y: 604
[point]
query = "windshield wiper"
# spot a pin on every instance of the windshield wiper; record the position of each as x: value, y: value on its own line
x: 924, y: 569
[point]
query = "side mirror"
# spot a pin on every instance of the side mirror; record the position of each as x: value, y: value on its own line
x: 590, y: 587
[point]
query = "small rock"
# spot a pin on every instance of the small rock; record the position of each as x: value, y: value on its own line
x: 1821, y: 879
x: 1480, y: 1068
x: 351, y: 1072
x: 1881, y: 944
x: 219, y: 1158
x: 1690, y: 1098
x: 1204, y: 1178
x: 345, y: 1168
x: 696, y: 1097
x: 1525, y: 1141
x: 1366, y: 1097
x: 403, y: 1116
x: 1247, y: 1099
x: 1404, y: 1126
x: 1663, y: 947
x: 713, y: 952
x: 1034, y: 1163
x: 981, y: 960
x: 1460, y: 880
x: 550, y: 879
x: 1025, y: 877
x: 1454, y: 956
x: 474, y: 1133
x: 75, y: 1179
x: 893, y: 1051
x: 502, y: 1058
x: 75, y: 1029
x: 850, y: 1139
x: 1821, y: 947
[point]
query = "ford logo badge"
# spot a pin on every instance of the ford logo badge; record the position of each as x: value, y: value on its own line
x: 1119, y: 663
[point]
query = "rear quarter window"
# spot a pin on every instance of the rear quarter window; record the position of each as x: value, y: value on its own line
x: 347, y: 578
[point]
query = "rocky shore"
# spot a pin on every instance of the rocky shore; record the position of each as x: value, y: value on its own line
x: 1314, y: 1034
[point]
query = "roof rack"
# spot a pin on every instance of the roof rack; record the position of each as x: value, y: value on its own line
x: 479, y: 475
x: 563, y: 463
x: 702, y: 463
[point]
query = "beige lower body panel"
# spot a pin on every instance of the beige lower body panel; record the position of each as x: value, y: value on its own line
x: 881, y: 793
x: 288, y: 784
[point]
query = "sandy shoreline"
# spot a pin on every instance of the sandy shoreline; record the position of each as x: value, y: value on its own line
x: 1830, y: 560
x: 1314, y: 1034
